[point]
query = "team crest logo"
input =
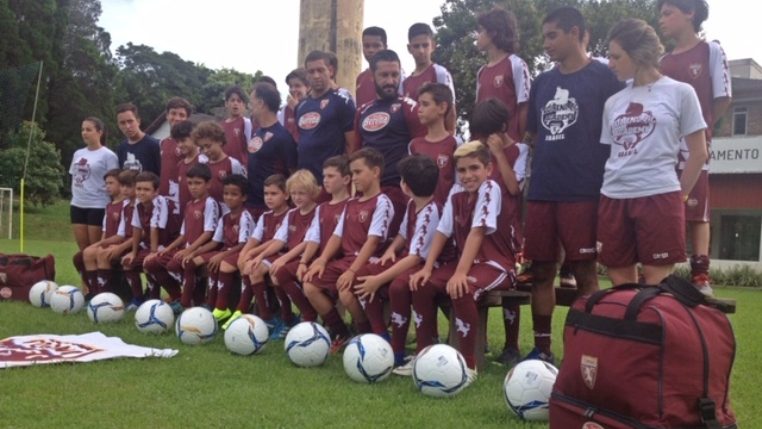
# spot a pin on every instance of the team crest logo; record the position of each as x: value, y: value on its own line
x: 376, y: 121
x: 498, y: 81
x: 589, y: 367
x: 255, y: 144
x: 197, y: 214
x: 237, y: 132
x: 591, y: 425
x: 559, y: 113
x: 396, y: 107
x: 324, y: 103
x: 222, y: 174
x: 309, y: 120
x: 292, y: 228
x: 268, y: 136
x: 115, y: 216
x: 6, y: 293
x: 695, y: 70
x: 236, y: 228
x: 692, y: 202
x: 632, y: 127
x: 81, y: 171
x: 132, y: 163
x: 442, y: 161
x: 363, y: 216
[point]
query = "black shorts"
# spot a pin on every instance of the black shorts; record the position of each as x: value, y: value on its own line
x: 91, y: 217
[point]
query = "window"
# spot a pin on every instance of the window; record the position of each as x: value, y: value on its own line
x: 739, y: 237
x: 739, y: 121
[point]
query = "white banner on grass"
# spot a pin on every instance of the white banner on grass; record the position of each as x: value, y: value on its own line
x: 43, y: 349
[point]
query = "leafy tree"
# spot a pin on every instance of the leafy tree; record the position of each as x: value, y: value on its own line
x: 456, y: 28
x: 44, y: 171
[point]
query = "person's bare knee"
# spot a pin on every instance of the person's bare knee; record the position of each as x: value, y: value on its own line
x: 586, y: 274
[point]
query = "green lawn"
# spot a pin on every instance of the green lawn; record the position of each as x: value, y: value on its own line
x: 206, y: 386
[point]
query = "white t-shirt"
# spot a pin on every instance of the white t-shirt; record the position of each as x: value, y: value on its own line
x: 88, y: 189
x: 644, y: 125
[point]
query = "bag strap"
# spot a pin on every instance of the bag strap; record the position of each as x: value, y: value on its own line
x: 646, y: 294
x: 707, y: 412
x: 683, y: 291
x: 596, y: 297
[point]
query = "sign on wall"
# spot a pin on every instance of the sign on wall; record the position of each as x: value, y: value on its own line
x: 736, y: 155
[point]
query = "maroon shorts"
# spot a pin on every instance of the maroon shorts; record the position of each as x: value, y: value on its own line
x: 287, y: 273
x: 568, y: 224
x: 137, y: 263
x: 333, y: 270
x: 482, y: 277
x: 697, y: 206
x: 231, y: 259
x: 649, y: 230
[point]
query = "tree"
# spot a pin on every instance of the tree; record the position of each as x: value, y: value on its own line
x: 44, y: 173
x: 457, y: 25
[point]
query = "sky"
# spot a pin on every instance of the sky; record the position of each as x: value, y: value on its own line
x: 236, y: 34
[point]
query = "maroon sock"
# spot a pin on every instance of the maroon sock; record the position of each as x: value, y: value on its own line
x: 302, y: 303
x: 334, y: 323
x: 374, y: 311
x: 259, y: 290
x: 466, y: 327
x: 212, y: 289
x: 285, y: 305
x: 79, y: 265
x: 247, y: 293
x: 400, y: 301
x: 511, y: 319
x: 104, y: 280
x: 225, y: 283
x: 136, y: 284
x: 91, y: 280
x: 364, y: 327
x: 168, y: 283
x: 154, y: 290
x: 699, y: 265
x: 541, y: 325
x: 425, y: 306
x: 189, y: 285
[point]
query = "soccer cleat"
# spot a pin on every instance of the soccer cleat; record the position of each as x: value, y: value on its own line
x: 540, y: 355
x: 567, y: 280
x: 338, y: 342
x: 702, y: 283
x: 220, y: 315
x: 278, y: 329
x: 406, y: 369
x: 509, y: 357
x: 471, y: 376
x: 176, y: 307
x: 134, y: 304
x: 235, y: 316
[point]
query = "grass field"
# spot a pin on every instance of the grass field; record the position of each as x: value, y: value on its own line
x: 206, y: 386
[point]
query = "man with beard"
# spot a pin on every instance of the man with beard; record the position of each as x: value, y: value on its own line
x: 387, y: 124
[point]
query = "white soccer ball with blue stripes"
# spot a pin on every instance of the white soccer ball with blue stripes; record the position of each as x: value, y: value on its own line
x: 527, y: 389
x: 368, y: 358
x: 307, y: 344
x: 247, y: 335
x: 39, y: 294
x: 196, y: 326
x: 440, y: 371
x: 105, y: 307
x: 154, y: 317
x: 67, y: 300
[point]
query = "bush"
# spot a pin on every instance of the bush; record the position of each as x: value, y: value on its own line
x: 44, y: 178
x: 739, y: 275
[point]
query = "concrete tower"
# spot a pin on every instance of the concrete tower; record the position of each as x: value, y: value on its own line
x: 335, y: 26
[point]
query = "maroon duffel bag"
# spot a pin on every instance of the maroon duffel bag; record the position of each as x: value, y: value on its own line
x: 19, y: 272
x: 645, y: 357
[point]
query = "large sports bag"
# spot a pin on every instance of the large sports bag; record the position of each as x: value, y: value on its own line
x: 645, y: 357
x: 19, y: 272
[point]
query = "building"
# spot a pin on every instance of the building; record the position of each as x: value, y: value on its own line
x: 736, y: 173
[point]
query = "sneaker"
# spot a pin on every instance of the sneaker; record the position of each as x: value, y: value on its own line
x: 567, y: 280
x: 220, y: 315
x: 207, y: 306
x: 176, y: 307
x: 540, y: 355
x: 134, y: 304
x: 338, y: 342
x: 509, y: 357
x: 471, y: 375
x: 277, y: 328
x: 233, y: 317
x: 702, y: 283
x: 406, y: 369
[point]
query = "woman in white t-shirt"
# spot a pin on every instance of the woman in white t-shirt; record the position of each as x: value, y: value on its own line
x: 88, y: 188
x: 641, y: 216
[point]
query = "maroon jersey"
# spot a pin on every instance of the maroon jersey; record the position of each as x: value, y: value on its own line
x: 267, y: 225
x: 433, y: 73
x: 125, y: 223
x: 183, y: 194
x: 324, y: 222
x: 294, y: 227
x: 234, y: 228
x: 488, y: 209
x: 418, y: 228
x: 237, y: 134
x: 388, y: 126
x: 220, y: 170
x: 362, y: 219
x: 200, y: 216
x: 141, y: 223
x: 170, y: 156
x: 508, y: 81
x: 112, y: 218
x: 441, y: 152
x: 365, y: 88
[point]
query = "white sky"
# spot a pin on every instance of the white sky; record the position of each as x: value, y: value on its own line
x: 239, y: 34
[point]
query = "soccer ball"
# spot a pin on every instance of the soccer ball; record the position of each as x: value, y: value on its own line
x: 196, y: 326
x: 440, y: 371
x: 307, y: 344
x: 154, y: 317
x: 527, y: 389
x: 368, y: 358
x: 67, y: 300
x: 39, y: 294
x: 247, y: 335
x: 105, y: 307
